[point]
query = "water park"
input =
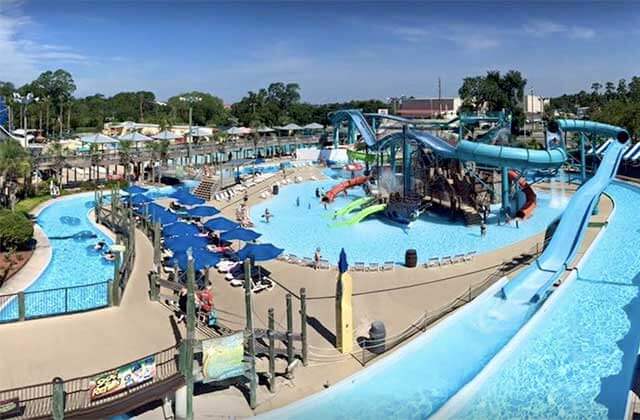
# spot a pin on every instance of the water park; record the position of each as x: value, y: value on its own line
x: 317, y: 281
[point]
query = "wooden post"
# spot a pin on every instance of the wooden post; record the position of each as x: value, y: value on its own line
x: 115, y: 285
x: 22, y: 310
x: 272, y: 352
x: 289, y: 330
x: 253, y: 380
x: 157, y: 257
x: 57, y: 399
x: 303, y: 325
x: 191, y: 332
x: 154, y: 288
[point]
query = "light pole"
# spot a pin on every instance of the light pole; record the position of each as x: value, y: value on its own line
x: 24, y: 101
x: 190, y: 99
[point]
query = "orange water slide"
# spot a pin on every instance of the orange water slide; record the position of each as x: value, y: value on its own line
x: 344, y: 185
x: 530, y: 204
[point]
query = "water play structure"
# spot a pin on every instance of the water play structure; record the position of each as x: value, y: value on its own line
x: 460, y: 176
x: 426, y: 373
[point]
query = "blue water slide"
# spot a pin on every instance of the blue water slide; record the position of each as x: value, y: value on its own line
x: 494, y: 155
x: 535, y: 281
x: 588, y: 127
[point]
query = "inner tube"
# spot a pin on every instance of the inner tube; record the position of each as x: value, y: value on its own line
x: 70, y: 220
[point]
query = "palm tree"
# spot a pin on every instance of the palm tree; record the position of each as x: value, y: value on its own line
x: 124, y: 154
x: 15, y: 163
x: 57, y: 152
x: 96, y: 156
x: 159, y: 152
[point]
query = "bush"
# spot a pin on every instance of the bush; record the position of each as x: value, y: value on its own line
x: 16, y: 231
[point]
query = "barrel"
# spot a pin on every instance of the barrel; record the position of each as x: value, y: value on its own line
x: 377, y: 336
x: 275, y: 190
x: 410, y: 258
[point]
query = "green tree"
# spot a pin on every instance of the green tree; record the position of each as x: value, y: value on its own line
x: 15, y: 166
x: 207, y: 110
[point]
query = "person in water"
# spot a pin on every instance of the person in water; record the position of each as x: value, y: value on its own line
x: 109, y: 256
x: 267, y: 215
x: 298, y: 201
x: 100, y: 245
x: 317, y: 192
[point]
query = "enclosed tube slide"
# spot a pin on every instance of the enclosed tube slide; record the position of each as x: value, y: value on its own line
x: 530, y: 204
x: 344, y: 185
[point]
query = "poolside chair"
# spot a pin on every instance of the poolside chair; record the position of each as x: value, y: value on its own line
x: 373, y: 267
x: 324, y: 264
x: 458, y: 258
x: 432, y: 262
x: 446, y: 260
x: 388, y: 266
x: 293, y: 259
x: 307, y: 262
x: 358, y: 266
x: 469, y: 256
x: 283, y: 257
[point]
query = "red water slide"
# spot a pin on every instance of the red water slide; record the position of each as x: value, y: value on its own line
x: 331, y: 194
x: 527, y: 210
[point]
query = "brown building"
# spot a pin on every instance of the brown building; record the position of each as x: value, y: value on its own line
x: 429, y: 107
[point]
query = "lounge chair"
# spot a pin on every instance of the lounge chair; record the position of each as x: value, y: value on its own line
x: 458, y: 258
x: 324, y: 264
x: 306, y: 262
x: 469, y: 256
x: 446, y: 260
x: 432, y: 262
x: 283, y: 257
x: 388, y: 266
x: 358, y: 266
x: 293, y: 259
x: 373, y: 267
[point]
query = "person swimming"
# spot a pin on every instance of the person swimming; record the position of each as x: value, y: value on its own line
x: 267, y: 215
x: 99, y: 246
x: 109, y: 256
x: 298, y: 201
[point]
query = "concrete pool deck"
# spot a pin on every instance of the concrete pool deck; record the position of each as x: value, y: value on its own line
x: 87, y: 343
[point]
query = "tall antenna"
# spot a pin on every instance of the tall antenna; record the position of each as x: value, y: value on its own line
x: 439, y: 89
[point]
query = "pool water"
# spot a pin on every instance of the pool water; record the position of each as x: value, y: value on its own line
x: 74, y: 262
x: 576, y: 359
x: 302, y: 229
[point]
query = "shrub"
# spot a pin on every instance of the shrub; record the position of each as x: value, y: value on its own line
x: 16, y: 231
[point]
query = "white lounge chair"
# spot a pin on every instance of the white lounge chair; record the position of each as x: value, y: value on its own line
x: 373, y: 267
x: 432, y: 262
x: 293, y: 259
x: 388, y: 266
x: 469, y: 256
x: 307, y: 262
x: 358, y: 266
x: 446, y: 260
x: 324, y: 264
x: 458, y: 258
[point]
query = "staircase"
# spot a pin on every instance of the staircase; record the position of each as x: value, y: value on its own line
x: 205, y: 189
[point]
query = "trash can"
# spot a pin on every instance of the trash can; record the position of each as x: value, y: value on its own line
x: 377, y: 336
x: 411, y: 258
x: 275, y: 190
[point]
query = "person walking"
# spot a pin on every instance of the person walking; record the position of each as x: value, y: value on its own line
x: 316, y: 259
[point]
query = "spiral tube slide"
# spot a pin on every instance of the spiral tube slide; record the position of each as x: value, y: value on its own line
x: 589, y: 127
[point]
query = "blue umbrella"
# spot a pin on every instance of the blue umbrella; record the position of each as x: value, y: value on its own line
x: 240, y: 234
x: 220, y: 223
x: 190, y: 200
x: 134, y: 189
x: 157, y: 213
x: 203, y: 211
x: 179, y: 244
x: 343, y: 266
x: 201, y: 259
x: 259, y: 252
x: 140, y: 199
x: 180, y: 229
x: 180, y: 192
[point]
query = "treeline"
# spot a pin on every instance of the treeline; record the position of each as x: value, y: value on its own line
x: 613, y: 103
x: 57, y: 112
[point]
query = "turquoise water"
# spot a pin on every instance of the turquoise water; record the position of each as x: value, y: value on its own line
x: 73, y: 263
x: 300, y: 230
x: 577, y: 359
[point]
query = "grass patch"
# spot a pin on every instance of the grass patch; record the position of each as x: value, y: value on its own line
x: 28, y: 204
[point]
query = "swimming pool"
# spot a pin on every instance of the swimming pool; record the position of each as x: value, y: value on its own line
x: 73, y: 262
x: 576, y: 358
x: 300, y: 230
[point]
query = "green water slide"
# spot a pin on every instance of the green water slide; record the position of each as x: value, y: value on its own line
x: 359, y: 216
x: 357, y: 203
x: 362, y: 156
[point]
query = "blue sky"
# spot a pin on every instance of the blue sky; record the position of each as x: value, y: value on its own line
x: 335, y: 50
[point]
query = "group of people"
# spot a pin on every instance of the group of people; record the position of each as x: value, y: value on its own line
x: 107, y: 254
x: 203, y: 302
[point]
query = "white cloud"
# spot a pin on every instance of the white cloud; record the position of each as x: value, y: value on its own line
x: 468, y: 37
x: 21, y: 59
x: 543, y: 28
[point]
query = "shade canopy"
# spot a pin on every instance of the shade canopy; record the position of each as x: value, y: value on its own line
x: 259, y: 252
x: 166, y: 135
x: 313, y: 126
x: 202, y: 259
x: 201, y: 131
x: 140, y: 199
x: 290, y: 126
x: 203, y: 211
x: 134, y: 189
x: 181, y: 243
x: 221, y: 223
x: 240, y: 234
x: 135, y: 137
x: 158, y: 214
x: 97, y: 139
x: 265, y: 130
x: 180, y: 229
x: 184, y: 197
